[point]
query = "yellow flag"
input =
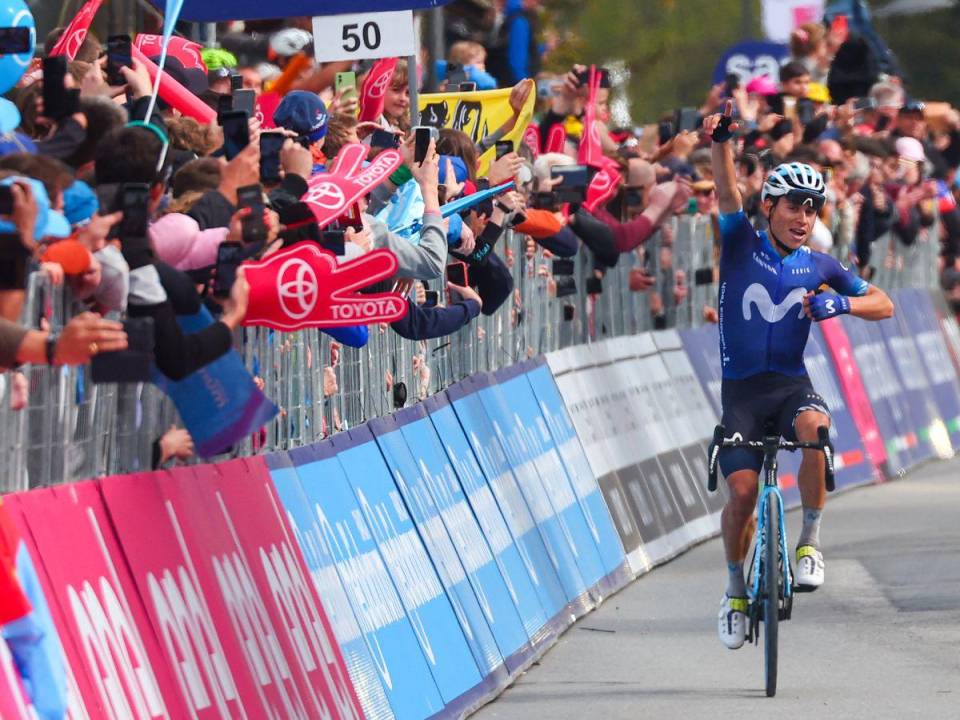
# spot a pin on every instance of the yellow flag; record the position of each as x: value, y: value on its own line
x: 478, y: 114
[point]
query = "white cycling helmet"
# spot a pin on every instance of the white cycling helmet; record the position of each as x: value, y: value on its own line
x: 794, y: 177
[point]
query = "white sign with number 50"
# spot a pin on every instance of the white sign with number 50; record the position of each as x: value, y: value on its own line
x: 363, y: 36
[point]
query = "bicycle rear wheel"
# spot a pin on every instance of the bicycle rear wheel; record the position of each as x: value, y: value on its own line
x: 770, y: 593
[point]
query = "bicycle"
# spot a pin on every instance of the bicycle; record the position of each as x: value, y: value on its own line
x: 770, y: 581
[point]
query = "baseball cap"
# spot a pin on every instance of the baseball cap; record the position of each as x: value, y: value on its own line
x: 80, y: 203
x: 50, y: 223
x: 304, y: 113
x: 818, y: 93
x: 459, y: 169
x: 910, y: 149
x: 912, y: 107
x: 762, y: 85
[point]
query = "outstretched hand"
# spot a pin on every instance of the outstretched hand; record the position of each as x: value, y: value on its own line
x: 720, y: 126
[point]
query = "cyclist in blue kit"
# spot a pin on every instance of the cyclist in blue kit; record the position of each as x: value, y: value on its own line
x: 767, y: 301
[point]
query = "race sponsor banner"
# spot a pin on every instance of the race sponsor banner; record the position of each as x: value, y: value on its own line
x: 415, y: 486
x: 751, y: 59
x: 514, y: 411
x: 106, y: 634
x: 919, y: 322
x: 176, y: 563
x: 884, y: 390
x: 344, y: 536
x: 430, y: 611
x: 245, y: 497
x: 577, y: 467
x: 946, y: 321
x: 303, y: 519
x: 478, y: 114
x: 304, y: 286
x: 851, y: 463
x: 559, y: 584
x: 521, y: 578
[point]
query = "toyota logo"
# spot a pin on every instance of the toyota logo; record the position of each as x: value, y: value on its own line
x: 378, y: 88
x: 327, y: 195
x: 297, y: 288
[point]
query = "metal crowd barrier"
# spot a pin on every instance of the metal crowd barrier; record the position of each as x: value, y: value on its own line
x: 71, y: 429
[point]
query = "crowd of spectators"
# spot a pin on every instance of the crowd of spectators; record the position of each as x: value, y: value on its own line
x: 890, y: 161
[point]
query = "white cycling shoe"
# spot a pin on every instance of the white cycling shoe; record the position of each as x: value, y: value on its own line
x: 809, y: 574
x: 732, y: 621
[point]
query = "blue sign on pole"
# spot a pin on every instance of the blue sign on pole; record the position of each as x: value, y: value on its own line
x: 750, y: 59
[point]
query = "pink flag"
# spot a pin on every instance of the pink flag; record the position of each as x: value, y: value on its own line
x: 186, y: 51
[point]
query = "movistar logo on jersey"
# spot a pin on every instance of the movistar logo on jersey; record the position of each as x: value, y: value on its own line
x: 757, y: 295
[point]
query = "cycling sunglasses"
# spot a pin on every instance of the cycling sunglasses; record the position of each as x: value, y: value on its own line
x: 804, y: 197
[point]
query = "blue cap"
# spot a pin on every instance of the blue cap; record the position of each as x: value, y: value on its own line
x: 50, y: 223
x: 459, y: 169
x: 304, y: 113
x: 80, y: 203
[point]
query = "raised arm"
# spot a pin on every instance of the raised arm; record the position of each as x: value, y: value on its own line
x: 720, y: 128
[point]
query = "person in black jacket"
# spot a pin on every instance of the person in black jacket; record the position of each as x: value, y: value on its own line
x: 425, y: 323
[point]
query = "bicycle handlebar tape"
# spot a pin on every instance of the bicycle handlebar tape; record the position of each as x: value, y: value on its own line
x: 718, y: 433
x: 722, y: 133
x: 823, y: 433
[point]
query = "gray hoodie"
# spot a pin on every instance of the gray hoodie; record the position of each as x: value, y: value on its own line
x: 425, y: 261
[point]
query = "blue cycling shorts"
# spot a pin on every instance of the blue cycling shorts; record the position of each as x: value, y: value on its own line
x: 764, y: 400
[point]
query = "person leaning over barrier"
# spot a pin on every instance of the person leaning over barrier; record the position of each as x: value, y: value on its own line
x: 83, y: 337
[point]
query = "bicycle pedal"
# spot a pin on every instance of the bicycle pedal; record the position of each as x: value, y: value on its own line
x: 805, y: 588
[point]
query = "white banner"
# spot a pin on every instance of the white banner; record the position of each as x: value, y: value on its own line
x: 781, y: 17
x: 364, y: 36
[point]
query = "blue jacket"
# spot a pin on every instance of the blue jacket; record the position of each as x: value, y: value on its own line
x: 425, y: 323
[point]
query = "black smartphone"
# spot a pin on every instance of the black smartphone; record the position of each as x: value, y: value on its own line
x: 730, y: 83
x: 703, y: 276
x: 134, y: 198
x: 569, y: 313
x: 660, y: 322
x: 664, y: 132
x: 805, y: 111
x: 594, y: 286
x: 224, y: 105
x: 118, y: 56
x: 583, y: 77
x: 573, y: 184
x: 562, y: 266
x: 864, y: 103
x: 236, y: 133
x: 433, y: 298
x: 236, y: 82
x: 468, y: 86
x: 270, y: 146
x: 566, y: 285
x: 686, y: 119
x: 6, y: 200
x: 457, y: 274
x: 14, y: 40
x: 55, y: 102
x: 384, y: 139
x: 545, y: 201
x: 333, y: 240
x: 422, y: 137
x: 229, y: 257
x: 455, y: 75
x: 245, y: 100
x: 134, y: 364
x: 253, y: 229
x: 504, y: 147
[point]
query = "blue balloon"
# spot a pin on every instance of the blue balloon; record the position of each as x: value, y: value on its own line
x: 15, y: 14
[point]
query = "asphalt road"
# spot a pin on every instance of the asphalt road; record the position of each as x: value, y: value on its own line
x: 881, y: 639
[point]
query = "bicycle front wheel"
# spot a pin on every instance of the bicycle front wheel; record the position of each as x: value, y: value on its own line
x: 771, y: 591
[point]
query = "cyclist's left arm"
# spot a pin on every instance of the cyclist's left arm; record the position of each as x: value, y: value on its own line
x: 854, y: 295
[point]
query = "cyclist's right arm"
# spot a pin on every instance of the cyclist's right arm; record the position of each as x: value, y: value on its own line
x: 724, y: 168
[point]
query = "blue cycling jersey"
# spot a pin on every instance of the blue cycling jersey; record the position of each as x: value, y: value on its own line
x: 762, y: 324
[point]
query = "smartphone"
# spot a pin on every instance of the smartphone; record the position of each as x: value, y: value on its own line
x: 14, y: 40
x: 664, y: 132
x: 384, y: 139
x: 270, y: 146
x: 455, y: 75
x: 573, y: 184
x: 569, y: 313
x: 433, y: 298
x: 347, y: 83
x: 253, y: 229
x: 789, y: 107
x: 562, y: 266
x: 504, y: 147
x: 583, y: 77
x: 135, y: 364
x: 703, y: 276
x: 594, y: 286
x: 236, y: 133
x: 805, y: 111
x: 245, y: 100
x: 333, y: 240
x: 730, y: 83
x: 6, y: 200
x: 566, y: 285
x: 133, y: 202
x: 224, y: 105
x: 457, y: 274
x: 236, y: 82
x: 546, y: 201
x: 55, y: 103
x: 864, y: 103
x: 686, y: 119
x: 229, y: 257
x: 422, y: 136
x: 468, y: 87
x: 118, y: 56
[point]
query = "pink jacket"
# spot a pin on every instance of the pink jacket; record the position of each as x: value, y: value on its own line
x: 180, y: 242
